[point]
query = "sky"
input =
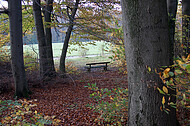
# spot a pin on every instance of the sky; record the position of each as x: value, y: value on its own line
x: 3, y: 3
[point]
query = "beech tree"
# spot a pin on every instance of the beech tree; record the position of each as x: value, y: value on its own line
x: 44, y: 38
x: 17, y: 62
x: 172, y: 10
x: 48, y: 35
x: 147, y: 44
x: 68, y: 34
x: 186, y: 26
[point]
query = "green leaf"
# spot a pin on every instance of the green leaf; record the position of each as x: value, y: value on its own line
x: 178, y: 71
x: 171, y: 74
x: 166, y: 111
x: 160, y: 91
x: 188, y: 67
x: 173, y: 106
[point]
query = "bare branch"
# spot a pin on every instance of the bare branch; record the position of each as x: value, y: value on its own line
x: 4, y: 10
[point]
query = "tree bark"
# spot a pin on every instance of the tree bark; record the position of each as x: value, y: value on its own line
x: 67, y: 37
x: 44, y: 44
x: 172, y: 10
x: 48, y: 35
x: 17, y: 62
x: 146, y: 38
x: 41, y: 37
x: 186, y: 26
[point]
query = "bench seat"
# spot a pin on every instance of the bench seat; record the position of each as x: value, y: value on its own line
x: 97, y: 65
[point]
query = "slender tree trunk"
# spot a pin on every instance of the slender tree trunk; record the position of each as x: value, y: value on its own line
x: 48, y: 35
x: 44, y: 42
x: 41, y: 37
x: 172, y: 10
x: 17, y: 62
x: 67, y: 37
x: 186, y: 26
x: 147, y: 43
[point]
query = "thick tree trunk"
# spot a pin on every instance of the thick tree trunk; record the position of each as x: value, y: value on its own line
x: 147, y: 43
x: 186, y: 26
x: 67, y: 37
x: 48, y: 35
x: 172, y: 10
x: 17, y: 62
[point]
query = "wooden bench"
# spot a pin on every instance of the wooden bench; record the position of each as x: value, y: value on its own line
x: 97, y: 65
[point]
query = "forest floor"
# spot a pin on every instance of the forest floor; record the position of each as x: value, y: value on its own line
x: 67, y: 98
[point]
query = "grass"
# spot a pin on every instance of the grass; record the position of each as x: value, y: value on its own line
x: 81, y: 61
x: 80, y: 52
x: 81, y: 49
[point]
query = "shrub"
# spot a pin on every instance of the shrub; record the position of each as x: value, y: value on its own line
x: 30, y: 61
x: 119, y: 57
x: 178, y: 80
x: 5, y: 54
x: 70, y: 68
x: 110, y: 104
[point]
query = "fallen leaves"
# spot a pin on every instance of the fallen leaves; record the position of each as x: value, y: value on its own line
x: 66, y: 103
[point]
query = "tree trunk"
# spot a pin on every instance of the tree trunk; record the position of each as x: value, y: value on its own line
x: 67, y: 37
x: 147, y: 43
x: 46, y: 57
x: 172, y: 10
x: 48, y: 35
x: 186, y: 26
x: 17, y: 62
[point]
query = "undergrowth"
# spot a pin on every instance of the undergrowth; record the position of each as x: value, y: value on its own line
x: 21, y: 112
x: 112, y: 105
x: 178, y: 80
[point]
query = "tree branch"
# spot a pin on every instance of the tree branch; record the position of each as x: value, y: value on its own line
x: 4, y: 10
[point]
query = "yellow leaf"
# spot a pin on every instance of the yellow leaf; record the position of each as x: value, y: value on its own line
x: 171, y: 79
x: 188, y: 57
x: 116, y: 104
x: 53, y: 117
x: 112, y: 34
x: 166, y: 71
x: 156, y: 71
x: 35, y: 112
x: 17, y: 113
x: 188, y: 106
x: 163, y: 100
x: 119, y: 123
x: 184, y: 97
x: 57, y: 120
x: 179, y: 62
x: 165, y: 89
x: 111, y: 98
x: 166, y: 75
x: 149, y: 69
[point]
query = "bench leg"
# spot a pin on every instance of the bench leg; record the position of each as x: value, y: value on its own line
x: 105, y: 68
x: 89, y: 69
